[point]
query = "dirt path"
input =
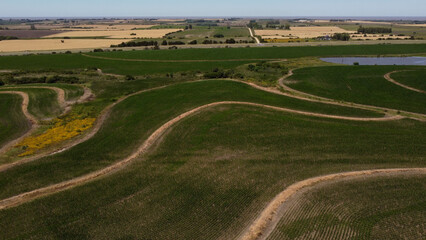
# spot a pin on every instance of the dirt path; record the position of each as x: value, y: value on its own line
x: 65, y: 105
x: 59, y: 92
x: 182, y: 61
x: 92, y: 132
x: 252, y: 35
x: 29, y: 196
x: 290, y: 92
x: 268, y: 219
x: 388, y: 77
x: 33, y: 121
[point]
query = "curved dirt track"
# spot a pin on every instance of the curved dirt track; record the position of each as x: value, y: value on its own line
x: 29, y: 196
x: 33, y: 121
x: 99, y: 122
x: 268, y: 219
x: 65, y: 105
x: 313, y: 98
x: 104, y: 114
x: 182, y: 61
x: 390, y: 79
x: 59, y: 92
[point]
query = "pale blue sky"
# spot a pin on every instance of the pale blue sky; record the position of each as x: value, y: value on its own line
x: 280, y: 8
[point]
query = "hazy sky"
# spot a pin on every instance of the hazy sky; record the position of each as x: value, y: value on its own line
x: 280, y: 8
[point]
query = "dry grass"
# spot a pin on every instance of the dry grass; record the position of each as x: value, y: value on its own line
x: 54, y: 44
x: 301, y: 32
x: 123, y: 34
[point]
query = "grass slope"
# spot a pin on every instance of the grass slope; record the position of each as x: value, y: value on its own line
x: 211, y: 175
x: 12, y: 121
x: 415, y: 79
x: 359, y: 84
x: 372, y: 208
x: 43, y: 102
x: 133, y: 120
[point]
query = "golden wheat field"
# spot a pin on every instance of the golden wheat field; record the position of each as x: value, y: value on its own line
x: 301, y: 32
x: 55, y: 44
x: 123, y: 34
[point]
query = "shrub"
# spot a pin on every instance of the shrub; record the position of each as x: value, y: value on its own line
x: 230, y: 41
x: 98, y: 50
x: 218, y: 35
x: 193, y: 42
x: 130, y: 77
x: 1, y: 83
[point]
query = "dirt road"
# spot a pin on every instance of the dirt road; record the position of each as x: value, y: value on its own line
x: 388, y: 77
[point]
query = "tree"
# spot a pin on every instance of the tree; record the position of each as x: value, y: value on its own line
x: 218, y: 35
x: 32, y: 27
x: 341, y: 36
x: 164, y: 43
x: 1, y: 82
x: 193, y: 42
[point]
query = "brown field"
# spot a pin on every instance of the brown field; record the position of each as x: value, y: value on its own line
x: 54, y: 44
x: 28, y: 33
x: 123, y: 34
x: 105, y: 27
x: 300, y: 32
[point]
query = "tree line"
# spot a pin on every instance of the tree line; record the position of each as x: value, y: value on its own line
x: 374, y: 30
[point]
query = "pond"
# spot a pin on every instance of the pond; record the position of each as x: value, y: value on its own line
x: 420, y: 61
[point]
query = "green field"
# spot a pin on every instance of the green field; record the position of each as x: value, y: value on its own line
x: 371, y: 208
x: 43, y: 102
x: 77, y: 61
x: 358, y: 84
x: 13, y: 123
x: 415, y: 79
x: 134, y: 119
x: 211, y: 175
x: 267, y: 52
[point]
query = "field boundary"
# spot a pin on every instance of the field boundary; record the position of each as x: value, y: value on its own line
x: 32, y: 195
x: 267, y: 220
x: 390, y: 79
